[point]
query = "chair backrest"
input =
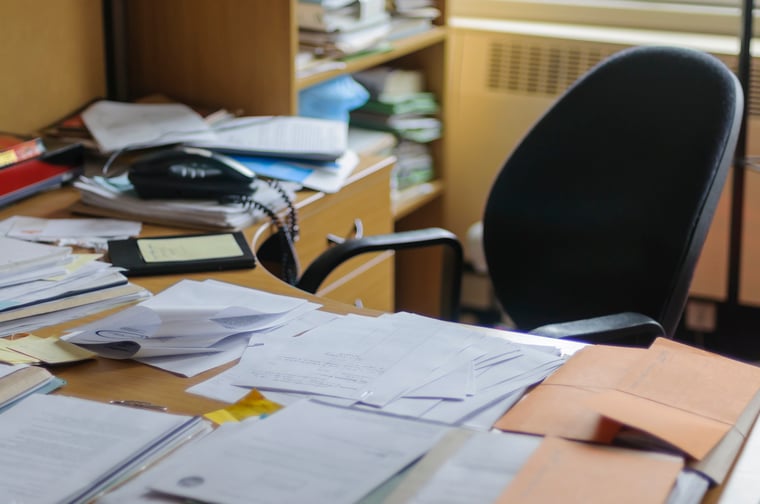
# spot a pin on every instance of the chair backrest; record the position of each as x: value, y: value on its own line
x: 605, y: 204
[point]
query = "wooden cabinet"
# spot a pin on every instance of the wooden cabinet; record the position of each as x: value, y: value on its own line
x: 366, y: 280
x: 240, y: 54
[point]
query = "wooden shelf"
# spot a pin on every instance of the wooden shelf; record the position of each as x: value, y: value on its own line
x: 408, y: 200
x: 240, y: 55
x: 402, y: 47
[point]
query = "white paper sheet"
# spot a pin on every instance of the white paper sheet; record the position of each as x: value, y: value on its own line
x: 479, y: 471
x: 284, y: 136
x: 51, y: 230
x: 117, y: 125
x: 55, y: 448
x: 188, y: 318
x: 307, y: 452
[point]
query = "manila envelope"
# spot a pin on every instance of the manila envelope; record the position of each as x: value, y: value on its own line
x: 698, y: 402
x: 558, y: 406
x: 579, y: 473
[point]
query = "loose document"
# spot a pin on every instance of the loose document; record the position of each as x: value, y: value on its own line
x: 307, y: 452
x: 43, y: 284
x: 58, y: 449
x: 401, y: 364
x: 315, y: 452
x: 468, y: 467
x: 190, y: 327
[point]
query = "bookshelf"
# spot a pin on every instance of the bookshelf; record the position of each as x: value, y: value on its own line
x: 240, y: 54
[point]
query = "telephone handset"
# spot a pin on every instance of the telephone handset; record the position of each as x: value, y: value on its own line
x: 190, y: 172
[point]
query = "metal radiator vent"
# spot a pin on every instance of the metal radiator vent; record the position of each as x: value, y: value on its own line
x: 545, y: 67
x: 540, y: 66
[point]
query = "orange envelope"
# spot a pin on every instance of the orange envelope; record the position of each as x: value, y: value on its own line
x: 558, y: 406
x: 579, y: 473
x: 689, y: 398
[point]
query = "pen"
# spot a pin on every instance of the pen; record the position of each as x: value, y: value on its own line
x: 138, y: 404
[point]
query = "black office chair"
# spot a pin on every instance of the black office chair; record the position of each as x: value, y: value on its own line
x: 279, y: 255
x: 451, y: 264
x: 595, y: 223
x: 599, y: 215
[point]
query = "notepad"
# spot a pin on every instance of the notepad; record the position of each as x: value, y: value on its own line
x: 181, y: 254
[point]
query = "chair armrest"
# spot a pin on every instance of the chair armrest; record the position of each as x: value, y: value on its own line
x: 620, y: 328
x: 451, y: 273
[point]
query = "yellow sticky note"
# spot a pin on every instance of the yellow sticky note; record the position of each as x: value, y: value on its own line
x: 49, y: 350
x: 253, y: 404
x: 12, y: 357
x: 189, y: 248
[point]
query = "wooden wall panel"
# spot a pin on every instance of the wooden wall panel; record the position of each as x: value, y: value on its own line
x: 52, y: 60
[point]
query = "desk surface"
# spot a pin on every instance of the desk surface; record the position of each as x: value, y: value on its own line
x: 104, y: 379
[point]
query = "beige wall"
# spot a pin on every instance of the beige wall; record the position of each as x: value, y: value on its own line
x: 484, y: 125
x: 52, y: 60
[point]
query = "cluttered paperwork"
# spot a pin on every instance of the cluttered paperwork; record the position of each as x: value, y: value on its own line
x: 400, y: 364
x: 280, y: 136
x: 42, y: 284
x: 670, y: 396
x: 78, y: 448
x: 117, y: 126
x: 189, y: 319
x: 469, y: 466
x: 283, y: 458
x: 116, y: 197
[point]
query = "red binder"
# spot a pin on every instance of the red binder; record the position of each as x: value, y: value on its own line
x: 51, y: 169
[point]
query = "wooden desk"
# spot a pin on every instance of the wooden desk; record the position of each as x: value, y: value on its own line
x: 365, y: 196
x: 104, y: 379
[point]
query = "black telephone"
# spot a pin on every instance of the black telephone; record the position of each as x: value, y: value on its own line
x: 190, y: 172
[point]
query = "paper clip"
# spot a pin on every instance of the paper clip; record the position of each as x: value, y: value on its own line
x: 139, y: 404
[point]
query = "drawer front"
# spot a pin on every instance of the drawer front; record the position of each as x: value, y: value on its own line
x: 368, y: 284
x: 366, y: 201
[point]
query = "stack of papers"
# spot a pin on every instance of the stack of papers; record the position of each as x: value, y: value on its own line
x: 342, y: 27
x: 118, y: 126
x: 19, y: 381
x: 190, y: 327
x: 310, y: 151
x: 315, y: 452
x: 326, y: 176
x: 115, y: 197
x: 63, y: 449
x: 401, y: 364
x: 468, y: 466
x: 280, y: 136
x: 307, y: 452
x: 86, y: 233
x: 44, y: 284
x: 669, y: 396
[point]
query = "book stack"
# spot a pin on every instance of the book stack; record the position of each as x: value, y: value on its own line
x: 400, y: 104
x: 29, y: 165
x: 410, y: 17
x: 338, y: 28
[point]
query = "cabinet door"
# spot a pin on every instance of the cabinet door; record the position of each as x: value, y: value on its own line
x: 364, y: 203
x: 365, y: 284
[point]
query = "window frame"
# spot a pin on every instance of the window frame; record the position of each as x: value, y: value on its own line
x: 716, y: 17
